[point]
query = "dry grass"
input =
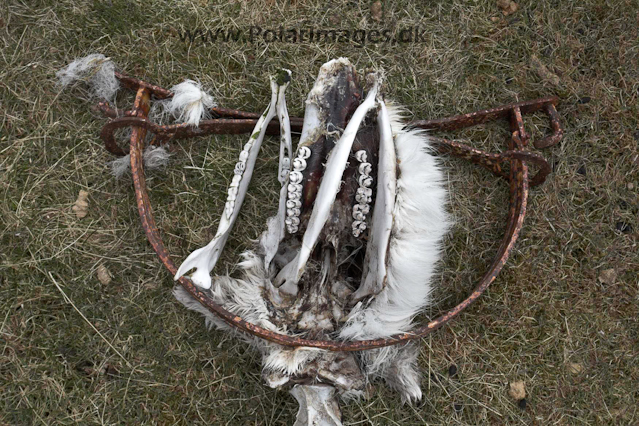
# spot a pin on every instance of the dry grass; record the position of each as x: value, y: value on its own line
x: 547, y: 320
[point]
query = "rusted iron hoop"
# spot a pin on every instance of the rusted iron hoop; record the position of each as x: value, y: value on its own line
x: 518, y: 200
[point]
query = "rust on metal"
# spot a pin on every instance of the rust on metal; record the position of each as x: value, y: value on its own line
x: 516, y: 158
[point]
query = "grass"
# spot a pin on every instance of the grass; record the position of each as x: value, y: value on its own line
x: 126, y: 352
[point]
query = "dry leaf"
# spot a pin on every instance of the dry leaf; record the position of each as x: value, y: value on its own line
x: 517, y: 390
x: 542, y: 71
x: 376, y: 10
x: 507, y: 7
x: 104, y: 276
x: 575, y: 368
x: 609, y: 276
x: 81, y: 206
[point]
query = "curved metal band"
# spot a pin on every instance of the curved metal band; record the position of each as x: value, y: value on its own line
x: 518, y: 200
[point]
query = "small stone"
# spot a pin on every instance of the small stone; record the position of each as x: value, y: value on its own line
x: 608, y: 276
x: 584, y: 100
x: 376, y: 11
x: 103, y: 275
x: 494, y: 18
x: 517, y: 390
x: 575, y: 368
x: 631, y: 186
x: 452, y: 370
x: 81, y: 206
x: 522, y: 403
x: 623, y: 227
x: 507, y: 7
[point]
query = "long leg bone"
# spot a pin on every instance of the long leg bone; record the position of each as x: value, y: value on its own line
x: 374, y: 275
x: 205, y: 258
x: 292, y: 272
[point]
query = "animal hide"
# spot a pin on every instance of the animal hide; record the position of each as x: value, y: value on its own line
x: 352, y: 253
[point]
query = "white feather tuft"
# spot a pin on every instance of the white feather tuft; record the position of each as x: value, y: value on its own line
x: 95, y: 69
x: 190, y: 103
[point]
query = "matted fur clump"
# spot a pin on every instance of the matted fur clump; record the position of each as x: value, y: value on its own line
x: 351, y: 255
x: 97, y: 70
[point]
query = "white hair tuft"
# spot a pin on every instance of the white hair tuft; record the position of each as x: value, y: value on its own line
x: 95, y: 69
x: 190, y: 103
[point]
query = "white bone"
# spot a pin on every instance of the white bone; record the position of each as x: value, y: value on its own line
x: 365, y: 181
x: 203, y: 260
x: 361, y: 156
x: 374, y: 274
x: 299, y: 164
x: 318, y: 405
x: 294, y: 196
x: 239, y: 168
x: 286, y: 162
x: 365, y: 168
x: 304, y: 152
x: 295, y: 177
x: 274, y: 235
x: 293, y: 204
x: 361, y: 208
x: 290, y: 275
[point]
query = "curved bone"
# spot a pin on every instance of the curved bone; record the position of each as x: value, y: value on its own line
x: 318, y: 406
x: 374, y: 274
x: 290, y: 275
x: 205, y: 258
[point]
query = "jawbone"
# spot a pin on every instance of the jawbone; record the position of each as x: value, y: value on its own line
x: 352, y: 253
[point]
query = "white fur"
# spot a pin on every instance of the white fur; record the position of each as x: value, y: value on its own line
x: 190, y: 103
x: 245, y: 297
x: 420, y: 224
x: 97, y: 70
x: 154, y: 157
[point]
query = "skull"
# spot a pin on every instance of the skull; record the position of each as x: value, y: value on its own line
x: 353, y: 247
